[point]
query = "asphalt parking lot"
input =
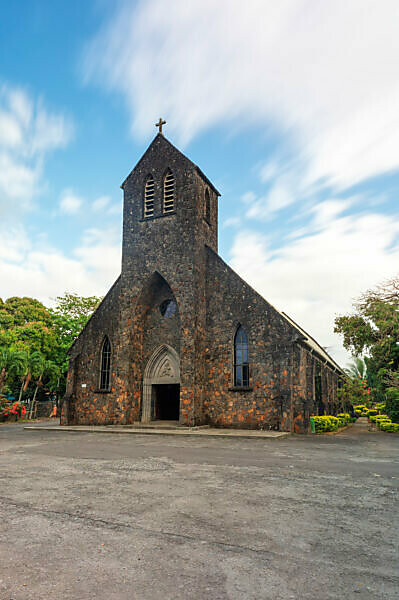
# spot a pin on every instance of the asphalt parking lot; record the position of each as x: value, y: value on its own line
x: 87, y: 516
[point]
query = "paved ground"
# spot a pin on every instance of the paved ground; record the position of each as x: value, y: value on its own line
x: 163, y: 429
x: 113, y: 517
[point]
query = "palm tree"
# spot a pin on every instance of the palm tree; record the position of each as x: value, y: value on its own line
x: 33, y: 367
x: 49, y: 370
x: 357, y: 369
x: 37, y: 368
x: 12, y: 363
x: 4, y: 364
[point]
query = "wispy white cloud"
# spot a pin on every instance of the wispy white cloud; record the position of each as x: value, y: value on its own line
x: 31, y: 267
x: 104, y: 205
x: 100, y: 204
x: 28, y: 131
x: 316, y: 276
x: 70, y: 203
x: 232, y: 222
x: 280, y: 196
x: 321, y: 74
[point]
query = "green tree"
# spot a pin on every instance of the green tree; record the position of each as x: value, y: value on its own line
x: 26, y: 324
x: 12, y: 364
x: 18, y: 366
x: 24, y: 310
x: 373, y: 329
x: 34, y: 369
x: 71, y: 314
x: 357, y: 368
x: 354, y: 391
x: 32, y: 335
x: 392, y: 399
x: 46, y: 375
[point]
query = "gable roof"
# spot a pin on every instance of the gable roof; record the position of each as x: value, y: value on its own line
x: 303, y: 337
x: 159, y: 137
x: 312, y: 344
x: 94, y: 314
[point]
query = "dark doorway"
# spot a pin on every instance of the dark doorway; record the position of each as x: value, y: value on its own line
x: 167, y: 402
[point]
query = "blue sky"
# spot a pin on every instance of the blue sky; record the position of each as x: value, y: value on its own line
x: 290, y: 108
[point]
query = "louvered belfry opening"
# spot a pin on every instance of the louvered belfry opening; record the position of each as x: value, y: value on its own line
x: 149, y: 197
x: 168, y: 192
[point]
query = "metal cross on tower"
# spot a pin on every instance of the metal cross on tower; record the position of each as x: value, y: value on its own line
x: 160, y: 123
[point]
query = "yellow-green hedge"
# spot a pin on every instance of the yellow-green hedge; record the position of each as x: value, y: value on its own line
x: 389, y: 426
x: 326, y: 423
x: 385, y: 423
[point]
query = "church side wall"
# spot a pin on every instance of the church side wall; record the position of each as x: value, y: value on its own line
x: 304, y: 401
x: 84, y: 403
x: 267, y: 402
x: 282, y: 370
x: 301, y: 403
x: 169, y: 256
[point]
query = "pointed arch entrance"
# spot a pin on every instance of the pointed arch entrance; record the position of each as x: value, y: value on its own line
x: 161, y: 386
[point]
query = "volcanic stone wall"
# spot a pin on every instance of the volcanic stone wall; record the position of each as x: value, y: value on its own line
x: 306, y: 367
x: 84, y: 402
x: 174, y: 256
x: 266, y: 403
x: 171, y: 247
x: 156, y: 328
x: 281, y: 389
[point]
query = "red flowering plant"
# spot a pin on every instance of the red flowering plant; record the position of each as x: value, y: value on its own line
x: 10, y: 411
x: 356, y: 393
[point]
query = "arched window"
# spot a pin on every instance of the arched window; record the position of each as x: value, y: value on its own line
x: 241, y: 363
x: 105, y: 373
x: 168, y: 192
x: 207, y: 208
x: 149, y: 197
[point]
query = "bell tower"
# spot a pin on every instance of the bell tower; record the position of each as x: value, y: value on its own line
x: 170, y: 207
x: 170, y: 216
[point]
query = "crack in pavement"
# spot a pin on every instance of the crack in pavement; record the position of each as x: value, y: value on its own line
x: 267, y: 554
x: 119, y: 525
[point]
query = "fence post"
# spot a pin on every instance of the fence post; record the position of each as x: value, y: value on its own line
x: 312, y: 426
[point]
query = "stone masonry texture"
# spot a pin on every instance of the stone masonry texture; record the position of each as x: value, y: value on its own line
x: 174, y: 257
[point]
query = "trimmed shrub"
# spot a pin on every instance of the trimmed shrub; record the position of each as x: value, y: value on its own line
x: 390, y: 427
x: 326, y: 423
x: 385, y: 423
x: 392, y: 404
x: 380, y: 418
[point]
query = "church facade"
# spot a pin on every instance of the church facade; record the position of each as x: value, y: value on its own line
x: 180, y: 336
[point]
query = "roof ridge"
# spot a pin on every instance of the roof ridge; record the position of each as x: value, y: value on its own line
x: 196, y: 167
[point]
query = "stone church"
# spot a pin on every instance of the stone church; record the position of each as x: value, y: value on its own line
x: 180, y: 336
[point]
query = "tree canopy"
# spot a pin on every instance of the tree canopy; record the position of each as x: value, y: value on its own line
x: 70, y: 315
x: 34, y: 341
x: 373, y: 330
